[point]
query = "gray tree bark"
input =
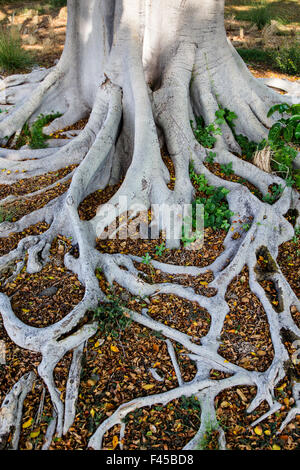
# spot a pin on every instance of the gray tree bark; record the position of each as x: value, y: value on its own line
x: 141, y: 70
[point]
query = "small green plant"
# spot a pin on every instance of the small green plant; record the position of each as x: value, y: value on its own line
x: 286, y: 129
x: 5, y: 216
x: 246, y: 227
x: 146, y: 259
x: 160, y: 249
x: 260, y: 13
x: 205, y: 135
x: 12, y: 56
x: 287, y: 59
x: 111, y: 317
x: 260, y: 16
x: 211, y: 157
x: 191, y: 403
x: 284, y: 132
x: 274, y: 195
x: 296, y: 237
x: 247, y: 146
x: 216, y: 210
x: 207, y: 437
x: 227, y: 169
x: 34, y: 136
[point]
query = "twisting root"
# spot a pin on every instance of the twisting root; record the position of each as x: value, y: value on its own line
x: 11, y: 411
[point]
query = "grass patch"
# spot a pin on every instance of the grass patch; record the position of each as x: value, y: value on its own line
x: 12, y: 55
x: 258, y: 56
x: 261, y: 12
x: 285, y: 59
x: 58, y: 3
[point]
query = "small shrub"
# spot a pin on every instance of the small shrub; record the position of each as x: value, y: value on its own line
x: 284, y: 132
x: 256, y: 55
x: 227, y: 169
x: 203, y: 133
x: 111, y: 317
x: 160, y: 249
x: 287, y: 59
x: 274, y: 194
x: 216, y: 210
x: 34, y: 136
x: 12, y: 55
x: 5, y: 216
x: 146, y: 259
x: 58, y: 3
x: 260, y: 16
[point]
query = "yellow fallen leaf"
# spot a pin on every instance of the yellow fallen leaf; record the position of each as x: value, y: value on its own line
x: 114, y: 349
x: 258, y: 430
x: 282, y: 387
x: 35, y: 434
x: 115, y: 441
x: 286, y: 402
x: 275, y: 447
x: 267, y: 432
x: 148, y: 387
x: 27, y: 424
x: 92, y: 412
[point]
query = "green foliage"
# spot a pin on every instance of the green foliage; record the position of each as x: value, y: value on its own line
x: 247, y: 146
x: 12, y: 56
x: 159, y: 249
x: 287, y: 59
x: 111, y: 317
x: 191, y: 403
x: 246, y: 227
x: 216, y: 210
x: 211, y: 157
x: 146, y: 259
x: 34, y: 135
x: 227, y: 169
x: 260, y: 16
x: 261, y: 13
x: 274, y: 195
x: 257, y: 55
x: 5, y: 216
x: 205, y: 135
x: 58, y: 3
x: 285, y: 131
x: 296, y: 237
